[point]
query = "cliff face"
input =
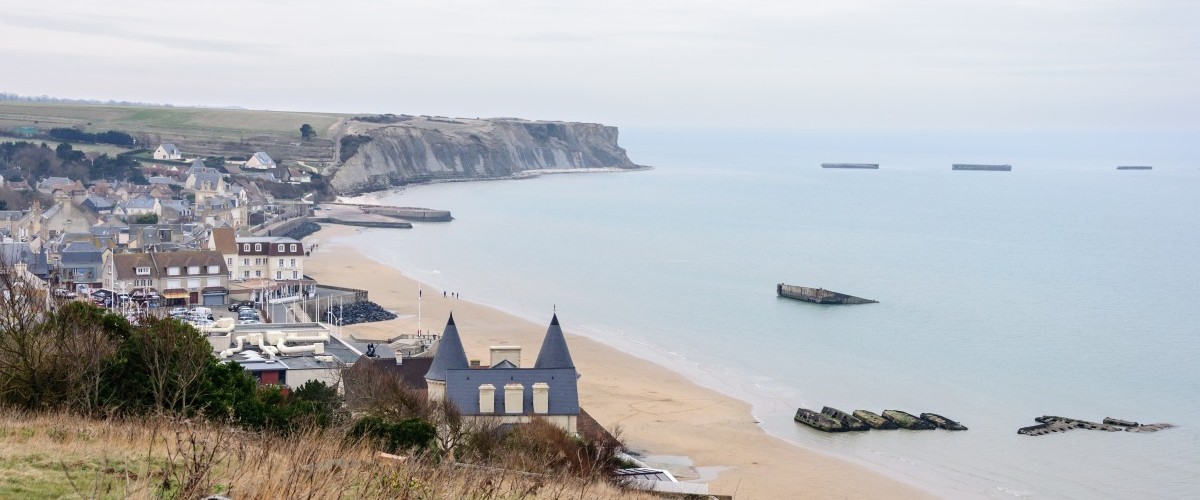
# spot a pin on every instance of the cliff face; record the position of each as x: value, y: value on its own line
x: 414, y: 149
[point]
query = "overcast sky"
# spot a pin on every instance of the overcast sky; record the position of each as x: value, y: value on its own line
x: 839, y: 64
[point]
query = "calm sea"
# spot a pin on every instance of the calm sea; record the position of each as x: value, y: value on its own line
x: 1064, y: 287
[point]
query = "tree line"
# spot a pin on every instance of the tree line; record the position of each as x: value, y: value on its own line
x: 110, y: 137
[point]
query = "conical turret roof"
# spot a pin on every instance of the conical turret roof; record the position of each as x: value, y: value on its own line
x: 450, y: 353
x: 554, y: 353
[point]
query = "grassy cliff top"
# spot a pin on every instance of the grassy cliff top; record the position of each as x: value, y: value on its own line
x: 230, y: 123
x: 55, y: 455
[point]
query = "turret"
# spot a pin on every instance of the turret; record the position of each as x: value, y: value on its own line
x: 450, y: 355
x: 554, y: 353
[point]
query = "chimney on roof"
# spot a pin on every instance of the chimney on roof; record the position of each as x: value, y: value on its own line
x: 510, y: 353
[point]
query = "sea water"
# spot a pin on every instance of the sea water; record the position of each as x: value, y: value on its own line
x: 1064, y: 287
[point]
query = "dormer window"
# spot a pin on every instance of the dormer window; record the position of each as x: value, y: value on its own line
x: 258, y: 247
x: 142, y: 271
x: 214, y: 269
x: 293, y: 248
x: 173, y: 271
x: 281, y: 247
x: 245, y: 247
x: 193, y: 269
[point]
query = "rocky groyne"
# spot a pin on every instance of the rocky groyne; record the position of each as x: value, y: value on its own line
x: 377, y: 154
x: 357, y: 312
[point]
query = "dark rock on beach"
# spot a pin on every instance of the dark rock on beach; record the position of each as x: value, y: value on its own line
x: 301, y: 230
x: 359, y: 312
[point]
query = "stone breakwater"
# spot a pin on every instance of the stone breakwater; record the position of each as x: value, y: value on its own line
x: 1050, y: 424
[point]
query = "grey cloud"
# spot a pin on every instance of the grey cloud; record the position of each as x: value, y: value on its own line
x: 114, y: 28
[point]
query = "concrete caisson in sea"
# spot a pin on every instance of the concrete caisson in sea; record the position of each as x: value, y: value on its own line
x: 868, y: 166
x: 848, y: 421
x: 943, y: 422
x: 818, y: 421
x: 1050, y: 424
x: 976, y: 166
x: 818, y: 295
x: 908, y: 421
x: 874, y: 420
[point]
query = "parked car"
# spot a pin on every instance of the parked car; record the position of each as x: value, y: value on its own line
x: 178, y: 311
x: 63, y: 292
x: 249, y: 322
x: 240, y: 305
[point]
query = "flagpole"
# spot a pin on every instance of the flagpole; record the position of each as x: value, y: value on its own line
x: 418, y: 309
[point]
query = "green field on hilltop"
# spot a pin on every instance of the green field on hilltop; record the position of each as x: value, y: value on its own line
x: 197, y: 131
x: 232, y: 123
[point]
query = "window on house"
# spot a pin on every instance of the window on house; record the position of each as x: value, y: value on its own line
x: 257, y: 274
x: 280, y: 247
x: 229, y: 261
x: 174, y: 284
x: 295, y: 275
x: 193, y: 282
x: 280, y: 262
x: 193, y: 270
x: 214, y: 269
x: 173, y: 271
x: 143, y: 271
x: 245, y: 247
x: 258, y: 247
x: 293, y: 263
x: 245, y: 274
x: 293, y: 248
x: 212, y: 282
x: 245, y: 262
x: 278, y: 275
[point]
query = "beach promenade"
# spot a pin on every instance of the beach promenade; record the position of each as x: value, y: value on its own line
x: 655, y: 410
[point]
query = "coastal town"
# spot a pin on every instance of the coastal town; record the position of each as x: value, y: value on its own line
x: 210, y: 248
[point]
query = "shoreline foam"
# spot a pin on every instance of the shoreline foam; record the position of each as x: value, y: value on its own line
x: 659, y: 410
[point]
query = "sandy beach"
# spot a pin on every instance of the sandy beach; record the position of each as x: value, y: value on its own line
x: 658, y: 411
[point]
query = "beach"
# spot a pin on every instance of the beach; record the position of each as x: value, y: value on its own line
x: 654, y: 410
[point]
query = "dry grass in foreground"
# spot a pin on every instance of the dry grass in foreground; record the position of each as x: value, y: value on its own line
x: 65, y: 456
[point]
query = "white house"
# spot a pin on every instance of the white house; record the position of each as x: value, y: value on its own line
x: 260, y: 161
x: 167, y: 151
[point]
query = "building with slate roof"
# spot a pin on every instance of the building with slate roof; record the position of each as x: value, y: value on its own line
x: 503, y: 390
x: 167, y: 151
x: 261, y: 161
x: 80, y: 263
